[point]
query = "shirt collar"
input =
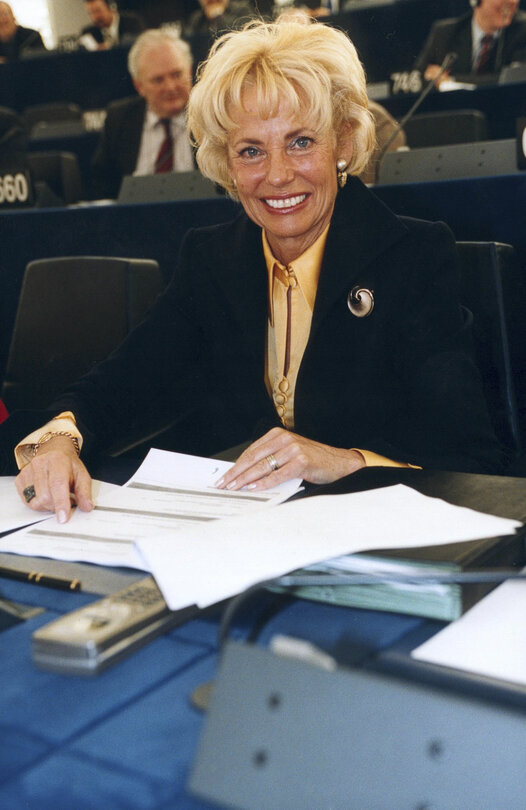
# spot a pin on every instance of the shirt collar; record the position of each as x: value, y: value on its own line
x: 306, y: 268
x: 152, y: 119
x: 477, y: 34
x: 113, y: 29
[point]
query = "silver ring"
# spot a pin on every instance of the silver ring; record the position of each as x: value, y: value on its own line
x: 29, y: 493
x: 273, y: 464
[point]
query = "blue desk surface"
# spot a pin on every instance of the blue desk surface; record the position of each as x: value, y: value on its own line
x: 127, y: 738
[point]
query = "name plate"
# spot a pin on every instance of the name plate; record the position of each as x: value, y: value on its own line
x: 404, y: 82
x: 16, y: 188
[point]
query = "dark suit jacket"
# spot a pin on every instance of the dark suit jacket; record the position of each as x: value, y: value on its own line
x: 118, y: 148
x: 24, y: 39
x: 397, y: 382
x: 454, y: 35
x: 130, y: 25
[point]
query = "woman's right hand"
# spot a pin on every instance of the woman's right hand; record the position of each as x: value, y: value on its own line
x: 57, y: 475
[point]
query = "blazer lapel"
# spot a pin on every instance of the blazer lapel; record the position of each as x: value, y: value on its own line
x: 362, y: 228
x: 352, y: 244
x: 242, y: 275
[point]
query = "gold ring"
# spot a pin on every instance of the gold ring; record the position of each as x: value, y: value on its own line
x: 273, y: 464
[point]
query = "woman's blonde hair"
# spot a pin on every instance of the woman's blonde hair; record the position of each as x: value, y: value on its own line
x: 313, y: 67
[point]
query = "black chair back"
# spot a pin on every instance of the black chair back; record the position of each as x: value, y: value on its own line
x: 72, y: 313
x: 60, y: 172
x: 494, y: 289
x: 441, y: 128
x: 53, y: 111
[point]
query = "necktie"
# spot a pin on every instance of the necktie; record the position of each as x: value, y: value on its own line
x: 165, y: 157
x: 484, y: 53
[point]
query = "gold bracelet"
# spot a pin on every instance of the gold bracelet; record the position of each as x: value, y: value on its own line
x: 50, y: 435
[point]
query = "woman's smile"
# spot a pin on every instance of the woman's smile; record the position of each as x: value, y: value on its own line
x: 285, y: 175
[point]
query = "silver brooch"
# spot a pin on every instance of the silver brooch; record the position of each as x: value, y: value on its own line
x: 360, y: 302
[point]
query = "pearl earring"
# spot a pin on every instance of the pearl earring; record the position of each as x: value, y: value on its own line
x: 341, y: 165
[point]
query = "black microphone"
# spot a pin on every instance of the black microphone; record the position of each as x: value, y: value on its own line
x: 447, y: 62
x: 9, y: 134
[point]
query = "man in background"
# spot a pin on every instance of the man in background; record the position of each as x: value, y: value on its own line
x: 14, y: 38
x: 109, y: 27
x: 484, y: 40
x: 147, y: 134
x: 216, y: 16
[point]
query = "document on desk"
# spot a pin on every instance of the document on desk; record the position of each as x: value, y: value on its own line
x: 169, y: 493
x: 488, y: 640
x: 14, y: 513
x: 214, y: 561
x: 187, y: 483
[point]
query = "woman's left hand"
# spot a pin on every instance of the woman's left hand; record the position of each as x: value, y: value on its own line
x: 280, y: 455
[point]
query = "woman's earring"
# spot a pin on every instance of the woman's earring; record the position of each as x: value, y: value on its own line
x: 341, y: 165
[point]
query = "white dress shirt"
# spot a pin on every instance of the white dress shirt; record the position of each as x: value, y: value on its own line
x: 152, y: 138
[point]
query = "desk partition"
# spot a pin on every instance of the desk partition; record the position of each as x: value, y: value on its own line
x: 486, y: 209
x: 483, y: 208
x: 90, y: 79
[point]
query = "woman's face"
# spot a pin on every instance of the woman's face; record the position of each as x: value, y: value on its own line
x: 285, y: 175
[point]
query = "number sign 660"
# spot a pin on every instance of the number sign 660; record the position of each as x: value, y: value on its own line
x: 13, y: 188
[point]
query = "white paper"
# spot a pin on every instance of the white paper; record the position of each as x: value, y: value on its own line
x: 212, y: 562
x: 14, y: 513
x: 88, y: 42
x: 103, y: 536
x: 446, y: 85
x: 165, y: 471
x: 489, y: 640
x: 170, y: 492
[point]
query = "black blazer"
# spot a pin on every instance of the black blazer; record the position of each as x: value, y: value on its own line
x: 130, y: 26
x: 397, y: 382
x: 454, y: 35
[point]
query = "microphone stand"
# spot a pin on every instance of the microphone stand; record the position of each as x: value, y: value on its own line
x: 449, y: 60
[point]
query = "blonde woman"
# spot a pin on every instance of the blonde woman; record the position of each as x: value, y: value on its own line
x: 317, y: 325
